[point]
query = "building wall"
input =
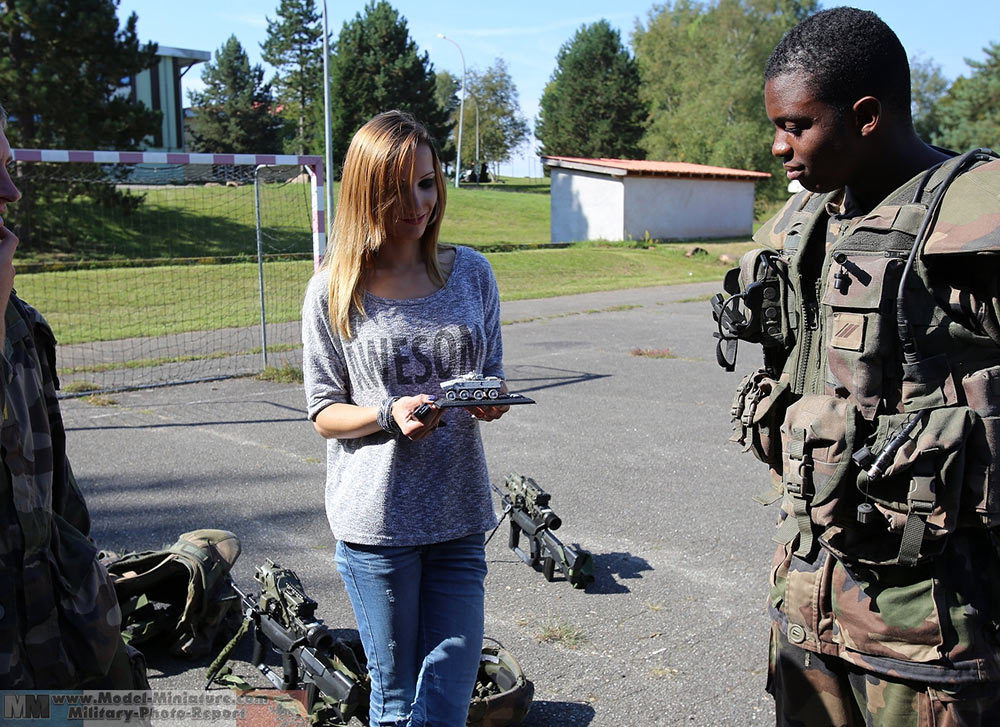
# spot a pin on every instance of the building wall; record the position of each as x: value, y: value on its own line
x: 158, y: 88
x: 678, y: 208
x: 586, y: 206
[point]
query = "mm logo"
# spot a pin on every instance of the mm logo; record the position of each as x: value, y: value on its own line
x: 25, y: 706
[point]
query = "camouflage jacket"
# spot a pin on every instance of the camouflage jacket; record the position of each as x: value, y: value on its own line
x: 897, y: 569
x: 59, y: 617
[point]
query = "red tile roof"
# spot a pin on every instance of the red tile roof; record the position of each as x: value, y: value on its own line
x: 633, y: 167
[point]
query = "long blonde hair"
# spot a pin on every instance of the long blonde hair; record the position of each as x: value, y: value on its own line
x: 375, y: 192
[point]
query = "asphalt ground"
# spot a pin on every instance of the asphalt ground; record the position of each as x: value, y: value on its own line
x: 632, y: 449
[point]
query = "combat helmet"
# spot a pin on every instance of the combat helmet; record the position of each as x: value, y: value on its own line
x: 181, y: 593
x: 503, y: 694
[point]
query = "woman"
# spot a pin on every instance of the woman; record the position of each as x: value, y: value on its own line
x: 389, y: 316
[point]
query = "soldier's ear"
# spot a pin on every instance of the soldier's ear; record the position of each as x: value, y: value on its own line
x: 867, y: 115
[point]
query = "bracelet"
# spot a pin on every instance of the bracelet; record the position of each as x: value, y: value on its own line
x: 384, y: 416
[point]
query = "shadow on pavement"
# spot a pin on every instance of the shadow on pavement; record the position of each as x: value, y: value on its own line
x: 547, y: 377
x: 558, y: 714
x: 612, y: 568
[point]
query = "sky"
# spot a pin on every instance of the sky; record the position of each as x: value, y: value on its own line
x: 528, y: 35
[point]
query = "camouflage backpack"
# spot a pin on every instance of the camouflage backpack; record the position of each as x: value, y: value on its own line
x: 181, y: 593
x: 503, y: 694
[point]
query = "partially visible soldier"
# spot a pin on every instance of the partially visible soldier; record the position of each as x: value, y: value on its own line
x: 59, y: 617
x: 878, y: 410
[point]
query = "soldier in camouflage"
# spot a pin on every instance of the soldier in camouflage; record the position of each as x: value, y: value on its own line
x: 59, y: 617
x: 878, y: 412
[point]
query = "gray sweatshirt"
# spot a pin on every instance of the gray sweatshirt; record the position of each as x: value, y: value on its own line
x: 385, y: 490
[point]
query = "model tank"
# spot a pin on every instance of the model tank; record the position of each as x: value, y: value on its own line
x: 472, y: 386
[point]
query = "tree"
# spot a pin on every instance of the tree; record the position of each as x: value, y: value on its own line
x: 234, y: 114
x: 969, y: 113
x: 62, y: 71
x: 927, y: 86
x: 701, y: 67
x: 591, y: 105
x: 294, y: 46
x: 446, y: 90
x: 502, y: 127
x: 377, y: 68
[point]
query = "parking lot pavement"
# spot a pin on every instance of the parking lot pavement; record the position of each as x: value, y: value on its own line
x: 628, y: 436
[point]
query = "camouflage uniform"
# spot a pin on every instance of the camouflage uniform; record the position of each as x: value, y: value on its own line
x: 59, y: 617
x: 891, y: 618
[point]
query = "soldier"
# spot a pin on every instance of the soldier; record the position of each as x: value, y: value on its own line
x: 59, y: 617
x: 877, y: 410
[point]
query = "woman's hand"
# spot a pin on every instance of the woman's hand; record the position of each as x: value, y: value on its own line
x: 404, y: 412
x: 489, y: 413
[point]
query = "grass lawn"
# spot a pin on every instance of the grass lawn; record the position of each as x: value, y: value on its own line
x: 216, y: 224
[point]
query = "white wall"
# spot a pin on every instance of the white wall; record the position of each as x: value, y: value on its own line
x: 586, y: 206
x: 678, y: 208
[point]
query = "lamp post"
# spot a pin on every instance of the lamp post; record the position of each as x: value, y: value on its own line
x: 461, y: 110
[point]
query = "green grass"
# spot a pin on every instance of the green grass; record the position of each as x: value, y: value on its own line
x: 137, y: 297
x: 219, y: 221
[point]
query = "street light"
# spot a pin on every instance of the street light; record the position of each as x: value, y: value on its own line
x: 461, y: 111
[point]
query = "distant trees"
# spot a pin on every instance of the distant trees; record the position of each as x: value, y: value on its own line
x: 294, y: 46
x: 62, y: 69
x: 701, y: 67
x: 377, y: 67
x: 927, y: 86
x: 968, y: 114
x: 502, y: 127
x: 446, y: 90
x: 591, y: 105
x: 235, y: 111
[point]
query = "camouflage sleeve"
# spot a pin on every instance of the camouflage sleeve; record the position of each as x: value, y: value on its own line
x: 67, y: 499
x: 962, y: 252
x: 969, y: 289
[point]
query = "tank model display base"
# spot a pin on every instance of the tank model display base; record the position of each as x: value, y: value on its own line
x: 502, y: 400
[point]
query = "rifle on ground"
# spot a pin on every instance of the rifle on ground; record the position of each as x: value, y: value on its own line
x: 528, y: 507
x: 283, y: 620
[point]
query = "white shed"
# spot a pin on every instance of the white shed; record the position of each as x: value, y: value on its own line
x: 622, y: 199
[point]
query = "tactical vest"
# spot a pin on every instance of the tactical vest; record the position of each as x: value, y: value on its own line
x: 880, y: 452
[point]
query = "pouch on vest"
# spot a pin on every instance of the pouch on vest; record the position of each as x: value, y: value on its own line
x: 180, y: 593
x: 981, y: 496
x: 859, y: 304
x: 817, y: 439
x: 757, y: 411
x: 917, y: 500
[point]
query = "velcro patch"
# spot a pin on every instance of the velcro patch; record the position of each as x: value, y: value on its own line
x: 848, y: 331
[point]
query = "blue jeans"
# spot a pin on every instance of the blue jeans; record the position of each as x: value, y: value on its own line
x: 420, y: 616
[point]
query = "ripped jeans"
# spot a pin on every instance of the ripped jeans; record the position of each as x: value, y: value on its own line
x: 420, y: 617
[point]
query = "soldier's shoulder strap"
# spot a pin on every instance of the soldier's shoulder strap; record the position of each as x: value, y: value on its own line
x: 784, y: 230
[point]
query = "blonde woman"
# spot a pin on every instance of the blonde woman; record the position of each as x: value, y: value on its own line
x: 389, y: 316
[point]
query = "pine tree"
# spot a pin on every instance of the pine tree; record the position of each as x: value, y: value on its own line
x: 294, y: 46
x: 61, y: 72
x: 377, y: 68
x: 591, y: 105
x: 969, y: 113
x: 234, y: 114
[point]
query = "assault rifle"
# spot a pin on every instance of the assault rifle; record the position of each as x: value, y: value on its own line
x: 283, y: 620
x: 528, y: 507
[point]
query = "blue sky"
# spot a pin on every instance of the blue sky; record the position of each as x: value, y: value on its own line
x: 527, y: 35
